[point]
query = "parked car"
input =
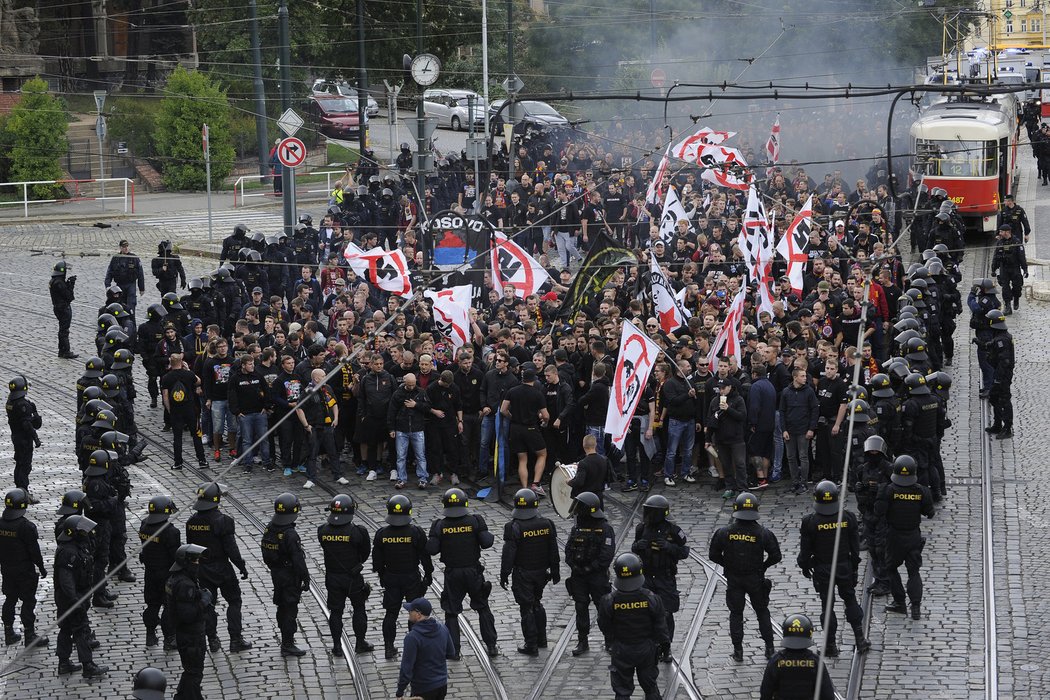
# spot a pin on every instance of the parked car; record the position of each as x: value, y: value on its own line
x: 538, y: 115
x: 335, y: 116
x: 341, y: 87
x: 451, y: 108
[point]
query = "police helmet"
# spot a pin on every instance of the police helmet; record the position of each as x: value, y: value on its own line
x: 160, y: 507
x: 628, y: 570
x: 860, y: 410
x: 223, y: 275
x: 362, y: 190
x: 745, y: 507
x: 91, y: 393
x: 298, y: 228
x: 986, y: 285
x: 94, y: 367
x: 15, y: 503
x: 656, y: 509
x: 909, y: 323
x: 59, y: 270
x: 341, y: 509
x: 907, y: 308
x: 996, y: 319
x: 940, y: 380
x: 405, y: 147
x: 897, y: 367
x: 272, y: 240
x: 936, y: 267
x: 826, y: 498
x: 116, y: 338
x: 105, y: 418
x: 940, y: 249
x: 254, y: 256
x: 927, y: 254
x: 74, y: 501
x: 186, y: 556
x: 208, y: 496
x: 917, y: 297
x: 241, y: 229
x: 171, y: 302
x: 258, y: 237
x: 242, y: 253
x: 938, y: 192
x: 587, y: 503
x: 150, y: 684
x: 76, y: 526
x: 106, y: 321
x: 399, y: 510
x: 526, y: 505
x: 196, y: 283
x: 916, y: 384
x: 911, y: 268
x: 285, y: 509
x: 905, y: 315
x: 905, y: 471
x: 18, y: 386
x: 920, y: 273
x: 98, y: 463
x: 373, y: 180
x: 387, y: 192
x: 455, y: 502
x: 904, y: 336
x: 111, y: 385
x: 857, y: 392
x: 205, y: 282
x: 122, y: 359
x: 920, y: 283
x: 798, y: 632
x: 94, y: 407
x: 116, y: 309
x: 916, y: 348
x: 334, y: 210
x: 881, y: 387
x: 155, y: 312
x: 876, y: 443
x: 307, y: 219
x: 165, y: 247
x: 112, y: 439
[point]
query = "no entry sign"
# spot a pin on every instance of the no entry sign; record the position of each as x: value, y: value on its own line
x: 291, y: 152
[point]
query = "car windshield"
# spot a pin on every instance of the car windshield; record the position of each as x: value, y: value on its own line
x: 539, y: 108
x: 338, y: 105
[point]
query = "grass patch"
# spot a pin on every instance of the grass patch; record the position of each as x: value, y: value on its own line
x: 341, y: 156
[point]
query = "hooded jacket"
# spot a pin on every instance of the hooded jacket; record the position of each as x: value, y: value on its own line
x: 423, y: 664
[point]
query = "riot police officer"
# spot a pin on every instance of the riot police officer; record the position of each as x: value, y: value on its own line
x: 791, y: 673
x: 980, y: 301
x: 816, y: 552
x: 61, y: 289
x: 1009, y: 261
x: 20, y: 559
x: 589, y: 553
x: 661, y: 545
x: 92, y: 376
x: 282, y: 552
x: 188, y: 602
x: 924, y: 418
x: 102, y: 507
x: 1001, y: 357
x: 900, y: 506
x: 887, y: 408
x: 150, y: 333
x: 234, y: 242
x: 746, y: 550
x: 458, y: 538
x: 530, y: 553
x: 24, y: 421
x: 150, y: 684
x: 874, y: 474
x: 115, y: 443
x: 398, y: 551
x: 125, y: 269
x: 215, y: 532
x: 346, y: 548
x: 160, y: 543
x: 634, y: 623
x: 73, y: 579
x: 167, y: 268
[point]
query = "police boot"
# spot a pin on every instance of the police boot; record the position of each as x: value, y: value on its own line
x: 169, y: 643
x: 108, y: 594
x: 239, y: 644
x: 363, y: 647
x: 10, y: 636
x: 65, y: 667
x: 33, y: 500
x: 1006, y: 432
x: 1007, y: 308
x: 213, y: 643
x: 738, y: 653
x: 93, y: 642
x: 100, y: 601
x: 153, y: 402
x: 288, y: 648
x: 541, y: 640
x: 151, y: 638
x: 493, y: 650
x: 529, y: 650
x: 582, y: 647
x: 879, y: 589
x: 391, y: 653
x: 126, y: 576
x: 898, y: 606
x: 916, y: 611
x: 994, y: 428
x: 93, y: 670
x: 33, y: 640
x: 863, y: 644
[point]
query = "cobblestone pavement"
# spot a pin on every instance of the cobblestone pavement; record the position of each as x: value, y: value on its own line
x: 940, y: 656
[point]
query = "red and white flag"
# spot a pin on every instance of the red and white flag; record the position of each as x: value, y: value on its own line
x: 654, y: 194
x: 754, y: 239
x: 452, y: 312
x: 689, y: 149
x: 792, y: 246
x: 727, y: 342
x: 670, y: 312
x: 387, y: 270
x: 512, y: 265
x: 634, y: 363
x: 724, y: 167
x: 773, y: 144
x: 672, y: 213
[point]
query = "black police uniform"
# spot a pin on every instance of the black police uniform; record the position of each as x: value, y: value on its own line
x: 791, y: 674
x: 20, y: 559
x: 215, y: 530
x: 126, y: 271
x: 874, y: 474
x: 1010, y: 262
x: 24, y: 421
x: 346, y: 549
x: 167, y: 268
x: 62, y: 293
x: 73, y: 578
x: 188, y: 602
x: 923, y: 421
x: 589, y: 552
x: 900, y: 510
x: 1001, y: 358
x: 92, y: 377
x: 980, y: 304
x: 816, y: 549
x: 459, y: 541
x: 102, y: 508
x: 150, y: 333
x: 397, y: 553
x: 887, y: 410
x: 530, y: 552
x: 159, y: 541
x: 661, y: 546
x: 635, y: 627
x: 746, y: 549
x: 282, y: 552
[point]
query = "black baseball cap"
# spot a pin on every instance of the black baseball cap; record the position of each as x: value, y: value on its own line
x: 420, y: 605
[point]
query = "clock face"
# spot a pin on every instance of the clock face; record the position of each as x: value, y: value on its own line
x: 425, y: 69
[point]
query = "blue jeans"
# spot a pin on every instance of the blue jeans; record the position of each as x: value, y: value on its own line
x: 598, y: 432
x: 251, y: 427
x: 222, y: 419
x: 488, y: 434
x: 417, y: 442
x: 679, y: 433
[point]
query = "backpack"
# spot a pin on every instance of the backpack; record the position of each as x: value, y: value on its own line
x: 179, y: 393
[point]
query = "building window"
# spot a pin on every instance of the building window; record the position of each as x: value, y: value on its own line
x: 1024, y: 26
x: 1009, y: 4
x: 1036, y: 25
x: 1009, y: 28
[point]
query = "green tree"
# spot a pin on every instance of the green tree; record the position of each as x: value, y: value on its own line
x: 192, y: 100
x: 36, y: 132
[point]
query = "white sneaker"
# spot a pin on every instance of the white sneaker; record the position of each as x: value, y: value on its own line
x: 342, y: 480
x: 371, y: 475
x: 393, y: 475
x: 308, y: 485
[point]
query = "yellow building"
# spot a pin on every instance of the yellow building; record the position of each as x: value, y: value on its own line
x: 1019, y: 23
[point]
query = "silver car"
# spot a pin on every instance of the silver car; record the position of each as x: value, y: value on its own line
x: 328, y: 87
x: 450, y: 107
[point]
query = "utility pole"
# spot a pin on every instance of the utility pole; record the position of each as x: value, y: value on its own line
x: 512, y: 109
x: 422, y: 147
x: 288, y: 174
x: 362, y: 79
x: 261, y: 138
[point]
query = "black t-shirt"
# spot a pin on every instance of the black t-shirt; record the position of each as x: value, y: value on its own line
x: 526, y: 401
x: 181, y: 385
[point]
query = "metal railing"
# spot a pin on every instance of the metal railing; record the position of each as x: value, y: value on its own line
x: 82, y: 191
x: 239, y: 195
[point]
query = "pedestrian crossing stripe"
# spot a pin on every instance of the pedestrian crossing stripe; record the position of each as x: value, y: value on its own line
x: 262, y: 220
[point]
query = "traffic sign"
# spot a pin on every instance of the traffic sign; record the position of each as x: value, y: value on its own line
x: 291, y: 152
x: 100, y: 99
x: 204, y: 139
x: 658, y: 78
x: 290, y: 122
x: 513, y: 84
x: 100, y: 127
